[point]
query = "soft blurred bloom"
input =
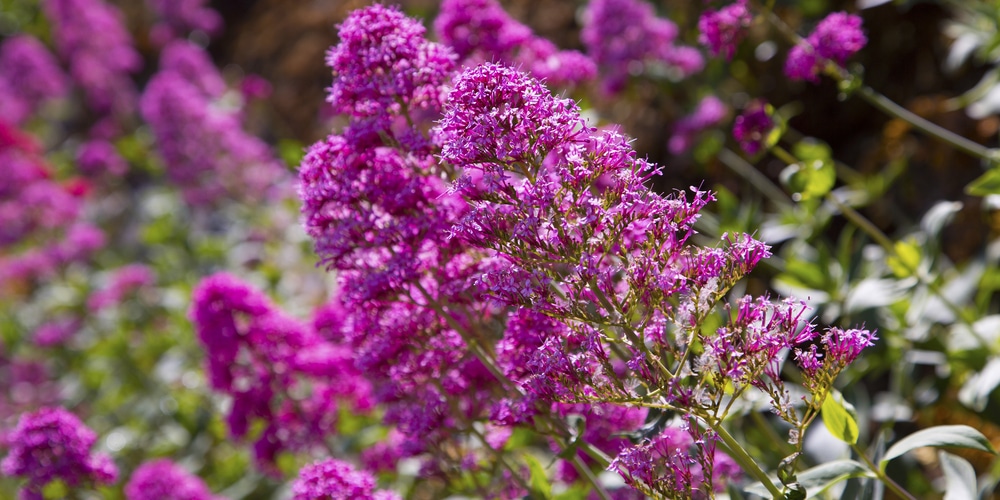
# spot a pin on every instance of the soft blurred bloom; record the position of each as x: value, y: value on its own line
x: 176, y: 18
x: 90, y: 35
x: 122, y: 281
x: 752, y: 127
x: 709, y: 112
x: 51, y: 444
x: 29, y: 76
x: 207, y: 152
x: 836, y: 38
x: 165, y: 480
x: 99, y: 157
x: 481, y: 31
x: 723, y: 29
x: 56, y: 332
x: 623, y: 36
x: 333, y: 479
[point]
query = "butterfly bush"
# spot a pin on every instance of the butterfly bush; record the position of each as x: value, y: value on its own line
x: 51, y: 444
x: 164, y: 480
x: 29, y: 76
x: 480, y: 30
x: 625, y: 37
x: 503, y: 263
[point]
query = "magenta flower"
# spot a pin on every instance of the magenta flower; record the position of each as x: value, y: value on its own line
x: 723, y: 29
x: 99, y: 157
x: 383, y: 61
x: 623, y: 36
x: 164, y: 480
x: 481, y: 31
x: 29, y: 76
x: 752, y: 127
x: 91, y: 37
x: 836, y: 38
x: 51, y: 444
x: 333, y: 479
x: 175, y: 18
x: 709, y: 112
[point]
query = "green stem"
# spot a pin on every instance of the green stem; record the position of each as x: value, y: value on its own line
x: 740, y: 455
x: 882, y: 476
x: 889, y: 107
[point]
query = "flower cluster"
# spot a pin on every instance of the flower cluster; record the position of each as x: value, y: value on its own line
x: 51, y: 444
x: 752, y: 127
x: 722, y: 30
x: 836, y: 38
x: 91, y: 37
x: 480, y: 31
x: 383, y: 64
x: 625, y: 36
x: 260, y: 356
x: 336, y: 480
x: 164, y: 480
x: 120, y: 283
x: 29, y: 76
x: 41, y: 226
x: 709, y: 112
x: 207, y: 152
x: 175, y: 18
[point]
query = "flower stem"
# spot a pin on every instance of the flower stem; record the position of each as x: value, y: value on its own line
x: 747, y: 463
x: 882, y: 476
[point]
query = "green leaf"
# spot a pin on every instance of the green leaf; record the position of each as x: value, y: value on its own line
x: 810, y: 149
x: 838, y: 419
x: 960, y: 477
x: 539, y: 483
x: 819, y: 478
x: 988, y: 183
x: 957, y: 436
x: 809, y: 179
x: 906, y: 258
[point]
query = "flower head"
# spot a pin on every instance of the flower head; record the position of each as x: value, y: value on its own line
x: 333, y: 479
x: 51, y: 444
x: 752, y: 127
x: 165, y: 480
x: 723, y: 29
x: 836, y: 38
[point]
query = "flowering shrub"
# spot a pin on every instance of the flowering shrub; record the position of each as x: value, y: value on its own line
x: 492, y: 290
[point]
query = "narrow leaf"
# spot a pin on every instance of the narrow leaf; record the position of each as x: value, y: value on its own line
x: 959, y: 477
x: 819, y: 478
x: 838, y: 419
x: 957, y: 436
x: 986, y: 184
x: 539, y: 481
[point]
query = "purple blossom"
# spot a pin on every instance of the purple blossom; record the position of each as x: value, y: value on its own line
x: 836, y: 38
x: 164, y: 480
x: 481, y: 31
x: 384, y: 62
x: 723, y: 29
x: 676, y: 464
x: 120, y: 283
x: 175, y: 18
x: 260, y: 356
x: 709, y: 112
x: 29, y: 76
x: 207, y: 152
x: 91, y: 37
x: 51, y: 444
x: 99, y: 157
x: 57, y: 331
x: 837, y: 349
x: 333, y: 479
x: 624, y: 36
x: 752, y: 127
